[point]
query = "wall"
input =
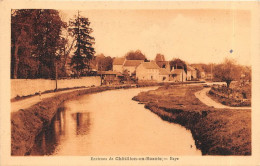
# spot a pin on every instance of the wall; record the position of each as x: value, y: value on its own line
x: 24, y: 87
x: 188, y: 75
x: 162, y: 76
x: 118, y: 68
x: 147, y: 74
x: 194, y: 74
x: 130, y: 69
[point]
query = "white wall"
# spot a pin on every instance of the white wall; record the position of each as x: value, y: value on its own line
x: 24, y: 87
x: 188, y: 75
x: 194, y: 73
x: 147, y: 74
x: 166, y: 77
x: 118, y: 68
x: 130, y: 69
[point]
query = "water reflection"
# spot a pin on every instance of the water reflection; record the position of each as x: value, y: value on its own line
x: 82, y: 122
x: 110, y: 123
x: 49, y: 139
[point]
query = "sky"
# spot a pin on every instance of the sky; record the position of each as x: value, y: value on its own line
x: 193, y: 35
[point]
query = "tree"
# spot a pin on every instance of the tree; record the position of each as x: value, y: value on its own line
x: 47, y: 39
x: 159, y: 57
x: 248, y: 73
x: 80, y: 28
x: 104, y: 63
x: 198, y: 73
x: 35, y: 37
x: 178, y: 64
x: 21, y: 37
x: 227, y: 71
x: 135, y: 55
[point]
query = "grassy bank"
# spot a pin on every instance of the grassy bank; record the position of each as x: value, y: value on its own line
x: 236, y: 96
x: 28, y: 123
x: 215, y: 131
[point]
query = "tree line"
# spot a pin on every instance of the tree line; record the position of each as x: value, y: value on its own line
x: 40, y: 45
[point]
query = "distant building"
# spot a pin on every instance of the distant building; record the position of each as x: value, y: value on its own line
x: 202, y: 74
x: 164, y: 64
x: 131, y: 65
x: 122, y: 64
x: 118, y: 64
x: 148, y: 71
x: 178, y: 75
x: 191, y: 73
x: 164, y: 74
x: 110, y: 77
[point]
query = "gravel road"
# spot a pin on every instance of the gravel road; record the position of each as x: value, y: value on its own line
x: 202, y: 96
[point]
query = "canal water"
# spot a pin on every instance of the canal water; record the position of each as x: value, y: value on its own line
x: 111, y: 123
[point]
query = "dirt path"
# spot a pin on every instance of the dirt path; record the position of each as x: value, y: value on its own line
x: 202, y: 96
x: 26, y: 103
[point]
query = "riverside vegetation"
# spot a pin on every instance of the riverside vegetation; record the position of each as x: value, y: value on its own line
x: 215, y: 131
x: 237, y: 95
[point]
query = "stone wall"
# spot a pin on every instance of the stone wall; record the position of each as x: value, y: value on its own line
x: 25, y: 87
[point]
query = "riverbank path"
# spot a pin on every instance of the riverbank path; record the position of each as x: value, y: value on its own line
x: 28, y: 102
x: 203, y: 97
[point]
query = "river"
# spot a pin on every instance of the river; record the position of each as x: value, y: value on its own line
x: 111, y: 123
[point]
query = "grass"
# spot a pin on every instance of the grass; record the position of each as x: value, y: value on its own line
x: 237, y: 95
x: 215, y: 131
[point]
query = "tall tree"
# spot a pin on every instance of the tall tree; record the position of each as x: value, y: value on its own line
x: 80, y: 28
x: 135, y: 55
x: 104, y: 63
x: 227, y: 71
x: 47, y: 39
x: 35, y: 37
x: 21, y: 37
x: 178, y: 64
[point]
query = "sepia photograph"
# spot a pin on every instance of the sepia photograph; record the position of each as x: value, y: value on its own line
x: 130, y: 83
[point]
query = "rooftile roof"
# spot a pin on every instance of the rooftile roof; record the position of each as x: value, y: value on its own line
x: 133, y: 62
x: 118, y: 61
x: 150, y: 65
x: 162, y: 63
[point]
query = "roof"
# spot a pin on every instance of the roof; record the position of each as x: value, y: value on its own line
x: 189, y: 68
x: 118, y: 61
x: 177, y: 71
x: 150, y: 65
x: 163, y: 71
x: 109, y: 73
x: 162, y: 63
x: 133, y: 62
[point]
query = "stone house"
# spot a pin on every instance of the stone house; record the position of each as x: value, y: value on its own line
x: 131, y: 65
x: 178, y: 75
x: 191, y: 73
x: 164, y: 64
x: 118, y: 64
x: 148, y: 71
x: 164, y: 74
